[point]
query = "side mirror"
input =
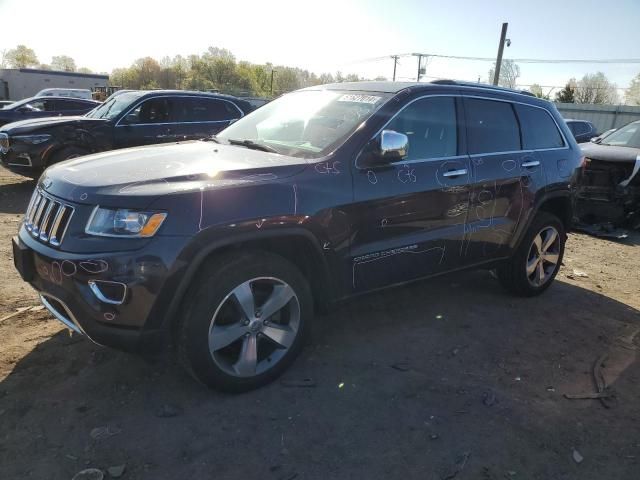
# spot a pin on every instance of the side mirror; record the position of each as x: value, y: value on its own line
x: 388, y: 147
x: 394, y: 146
x: 595, y: 139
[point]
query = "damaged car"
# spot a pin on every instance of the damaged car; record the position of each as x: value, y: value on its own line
x: 609, y: 189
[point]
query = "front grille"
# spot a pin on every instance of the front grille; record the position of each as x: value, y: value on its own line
x: 4, y: 143
x: 47, y: 219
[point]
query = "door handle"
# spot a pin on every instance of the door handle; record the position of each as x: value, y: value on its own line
x: 532, y: 163
x: 455, y: 173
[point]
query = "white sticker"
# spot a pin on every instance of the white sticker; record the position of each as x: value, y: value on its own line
x: 359, y: 98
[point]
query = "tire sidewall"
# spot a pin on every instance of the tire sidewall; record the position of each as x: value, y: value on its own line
x: 215, y: 285
x: 542, y: 220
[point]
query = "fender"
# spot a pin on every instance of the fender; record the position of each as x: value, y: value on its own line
x: 524, y: 226
x: 178, y: 283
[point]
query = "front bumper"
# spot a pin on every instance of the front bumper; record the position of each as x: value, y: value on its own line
x: 122, y: 311
x: 23, y: 158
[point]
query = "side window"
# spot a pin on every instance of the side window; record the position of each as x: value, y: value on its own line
x: 41, y: 105
x: 572, y: 127
x: 582, y: 128
x: 492, y: 126
x: 154, y: 110
x: 198, y: 109
x: 538, y: 128
x: 430, y: 124
x: 62, y: 105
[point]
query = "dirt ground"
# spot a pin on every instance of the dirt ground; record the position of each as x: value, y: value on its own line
x: 445, y: 378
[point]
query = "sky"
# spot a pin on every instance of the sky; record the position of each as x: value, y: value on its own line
x: 329, y: 35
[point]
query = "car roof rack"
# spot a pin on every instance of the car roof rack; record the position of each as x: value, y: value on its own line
x: 480, y: 85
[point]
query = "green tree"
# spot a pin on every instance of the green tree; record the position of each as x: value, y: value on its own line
x: 567, y: 94
x: 63, y: 63
x: 21, y: 57
x: 632, y: 97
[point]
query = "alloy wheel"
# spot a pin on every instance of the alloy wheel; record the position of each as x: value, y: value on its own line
x: 254, y: 326
x: 543, y: 257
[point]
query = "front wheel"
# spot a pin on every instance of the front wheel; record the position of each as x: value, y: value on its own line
x: 249, y: 316
x: 537, y: 260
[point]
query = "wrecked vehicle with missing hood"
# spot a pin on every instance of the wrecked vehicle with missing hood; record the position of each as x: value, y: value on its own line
x: 609, y: 189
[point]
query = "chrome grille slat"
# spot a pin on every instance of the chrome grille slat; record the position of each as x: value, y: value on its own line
x: 38, y: 216
x: 44, y: 233
x: 47, y: 219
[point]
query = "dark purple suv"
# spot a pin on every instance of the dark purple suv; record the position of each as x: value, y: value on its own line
x: 226, y: 247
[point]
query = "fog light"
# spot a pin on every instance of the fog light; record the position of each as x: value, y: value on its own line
x: 108, y: 292
x: 22, y: 159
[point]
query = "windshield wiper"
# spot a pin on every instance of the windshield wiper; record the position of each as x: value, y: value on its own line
x: 253, y: 145
x: 211, y: 138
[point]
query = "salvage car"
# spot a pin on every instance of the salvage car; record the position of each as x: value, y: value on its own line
x: 225, y: 248
x: 609, y: 187
x: 38, y: 107
x: 125, y: 119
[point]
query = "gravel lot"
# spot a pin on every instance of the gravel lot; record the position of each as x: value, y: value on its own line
x: 444, y: 378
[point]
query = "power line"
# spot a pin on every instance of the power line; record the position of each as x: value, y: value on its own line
x: 491, y: 59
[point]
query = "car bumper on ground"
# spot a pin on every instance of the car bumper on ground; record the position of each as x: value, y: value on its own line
x: 108, y: 298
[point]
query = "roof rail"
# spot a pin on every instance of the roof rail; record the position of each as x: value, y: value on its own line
x: 481, y: 85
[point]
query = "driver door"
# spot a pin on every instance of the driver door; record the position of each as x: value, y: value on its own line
x: 150, y: 122
x: 409, y: 216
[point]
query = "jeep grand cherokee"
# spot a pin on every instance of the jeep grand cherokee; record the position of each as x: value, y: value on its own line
x: 225, y: 248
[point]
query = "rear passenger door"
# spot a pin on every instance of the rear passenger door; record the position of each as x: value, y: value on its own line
x: 504, y: 178
x: 199, y: 117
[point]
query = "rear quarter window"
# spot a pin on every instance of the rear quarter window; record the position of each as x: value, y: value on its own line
x: 492, y: 126
x: 538, y: 128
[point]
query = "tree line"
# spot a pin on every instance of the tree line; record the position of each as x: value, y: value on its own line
x: 217, y: 69
x: 594, y: 88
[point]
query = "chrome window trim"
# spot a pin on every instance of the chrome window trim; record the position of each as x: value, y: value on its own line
x: 140, y: 102
x: 474, y: 155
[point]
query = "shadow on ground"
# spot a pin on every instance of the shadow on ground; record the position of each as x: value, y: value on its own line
x: 14, y: 197
x: 408, y: 384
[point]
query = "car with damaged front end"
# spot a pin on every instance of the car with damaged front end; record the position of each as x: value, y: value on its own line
x: 225, y: 248
x: 609, y: 186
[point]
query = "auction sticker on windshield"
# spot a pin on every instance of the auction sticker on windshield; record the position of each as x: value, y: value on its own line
x: 359, y: 98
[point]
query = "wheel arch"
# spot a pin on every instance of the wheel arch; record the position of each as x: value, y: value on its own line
x: 558, y: 203
x: 297, y: 245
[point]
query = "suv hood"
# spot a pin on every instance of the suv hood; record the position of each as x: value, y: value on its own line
x: 610, y: 153
x: 27, y: 126
x: 136, y: 174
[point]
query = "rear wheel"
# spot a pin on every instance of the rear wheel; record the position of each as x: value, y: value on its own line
x: 248, y: 321
x: 535, y: 264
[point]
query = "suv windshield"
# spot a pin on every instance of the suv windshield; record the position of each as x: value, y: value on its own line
x: 307, y: 124
x: 627, y: 136
x: 114, y: 105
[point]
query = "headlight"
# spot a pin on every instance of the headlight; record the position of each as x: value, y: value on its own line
x: 32, y: 139
x: 123, y: 222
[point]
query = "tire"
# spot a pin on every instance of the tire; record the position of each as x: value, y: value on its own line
x: 218, y: 334
x: 67, y: 153
x: 513, y: 274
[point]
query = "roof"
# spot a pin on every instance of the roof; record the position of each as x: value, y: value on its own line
x: 57, y: 72
x: 186, y: 92
x: 395, y: 87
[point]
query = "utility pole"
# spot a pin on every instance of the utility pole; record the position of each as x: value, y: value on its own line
x: 395, y: 63
x: 503, y: 37
x: 419, y: 65
x: 272, y: 70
